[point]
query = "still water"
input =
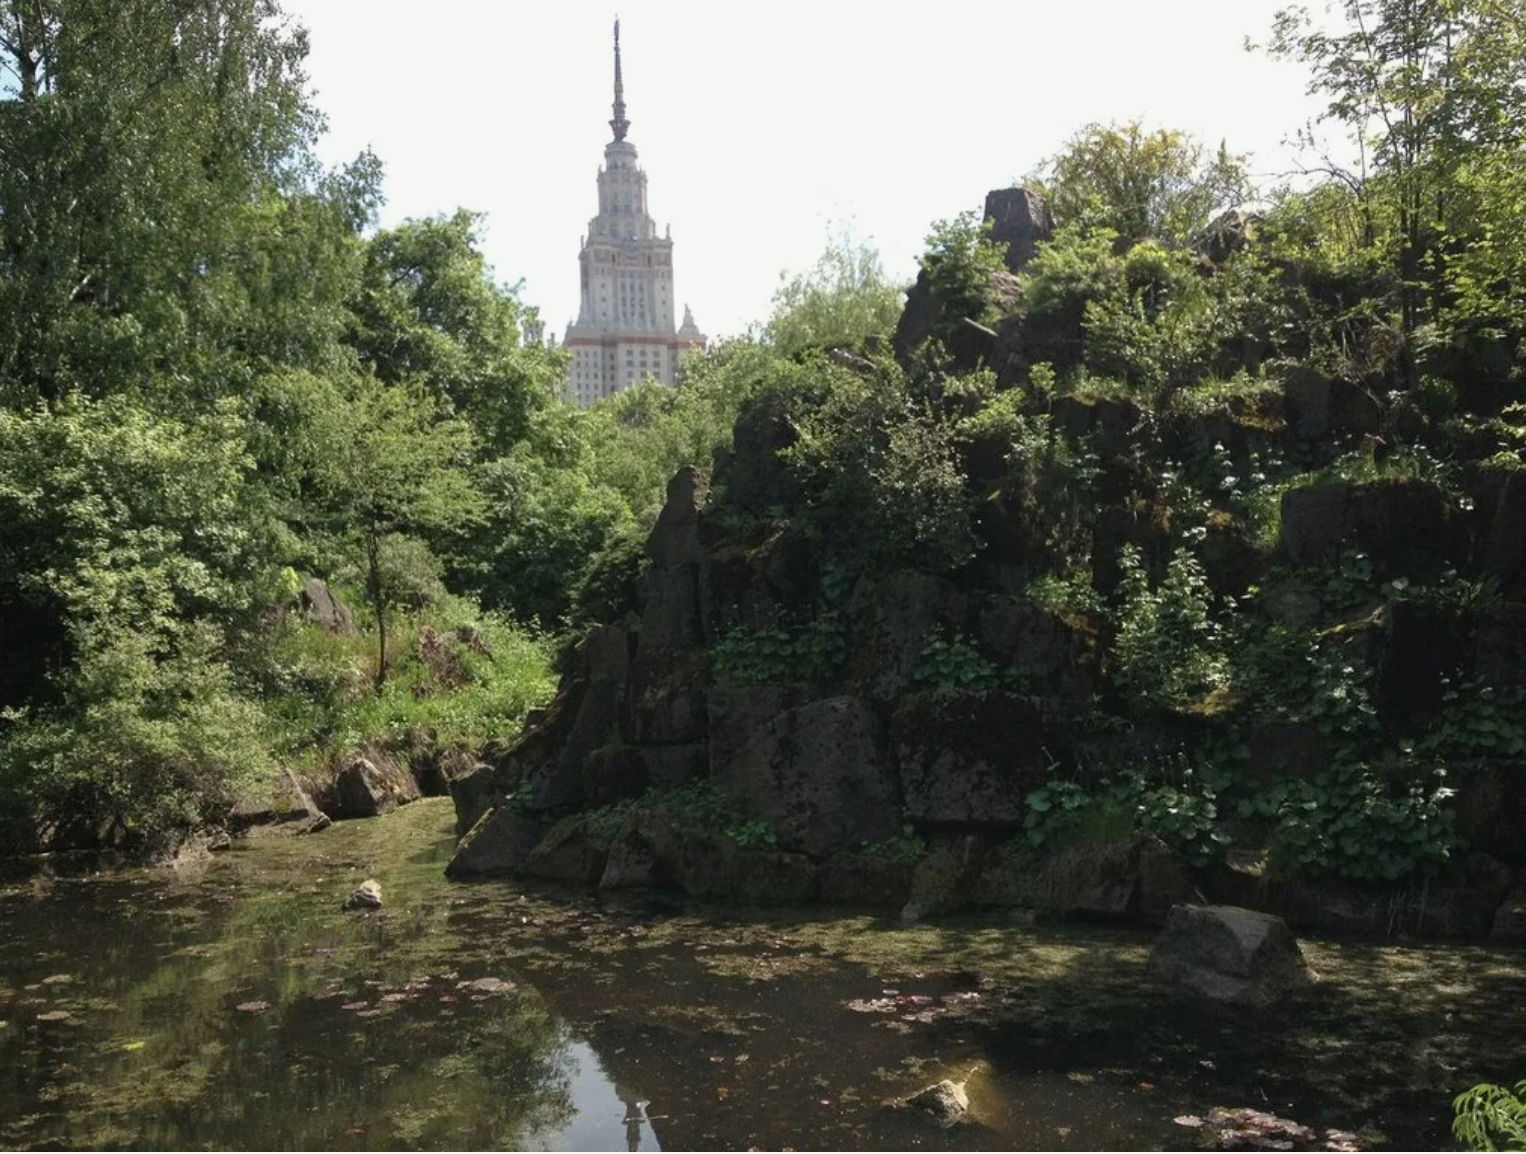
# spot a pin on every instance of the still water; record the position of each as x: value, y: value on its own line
x: 232, y: 1004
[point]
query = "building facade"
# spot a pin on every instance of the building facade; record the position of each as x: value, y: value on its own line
x: 625, y: 330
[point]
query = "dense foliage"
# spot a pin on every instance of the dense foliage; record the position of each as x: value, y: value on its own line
x: 218, y: 379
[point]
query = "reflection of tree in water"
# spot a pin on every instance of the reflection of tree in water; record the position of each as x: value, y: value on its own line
x: 171, y: 960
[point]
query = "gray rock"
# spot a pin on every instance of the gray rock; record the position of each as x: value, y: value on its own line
x: 319, y: 603
x: 893, y: 615
x: 817, y: 773
x: 631, y: 864
x: 944, y: 880
x: 944, y: 1103
x: 668, y: 766
x: 970, y: 755
x: 1407, y: 527
x: 866, y: 880
x: 370, y: 785
x: 1021, y: 220
x: 1316, y: 406
x: 497, y: 844
x: 568, y: 854
x: 317, y: 823
x: 1230, y: 955
x: 1043, y: 647
x: 736, y: 712
x: 765, y: 877
x: 1510, y: 919
x: 366, y: 896
x: 474, y: 791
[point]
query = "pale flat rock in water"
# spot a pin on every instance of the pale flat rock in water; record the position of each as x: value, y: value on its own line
x: 1230, y: 955
x: 367, y: 896
x: 944, y: 1102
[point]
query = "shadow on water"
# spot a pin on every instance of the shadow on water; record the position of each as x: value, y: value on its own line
x: 234, y: 1005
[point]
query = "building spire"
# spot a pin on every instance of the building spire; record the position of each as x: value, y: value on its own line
x: 619, y: 123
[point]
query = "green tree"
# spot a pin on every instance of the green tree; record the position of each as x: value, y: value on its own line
x: 1161, y: 185
x: 429, y: 310
x: 843, y: 299
x: 163, y: 225
x: 391, y: 472
x: 133, y: 547
x: 1432, y: 94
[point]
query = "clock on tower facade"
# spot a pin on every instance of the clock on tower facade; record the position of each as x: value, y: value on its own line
x: 625, y: 330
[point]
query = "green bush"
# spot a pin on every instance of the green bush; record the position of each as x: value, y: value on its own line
x: 1184, y: 816
x: 1490, y: 1117
x: 1346, y: 822
x: 813, y: 651
x: 872, y: 455
x: 1169, y: 650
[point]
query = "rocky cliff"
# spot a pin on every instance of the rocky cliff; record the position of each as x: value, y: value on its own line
x: 766, y: 724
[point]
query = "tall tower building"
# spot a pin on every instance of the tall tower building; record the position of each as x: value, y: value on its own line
x: 625, y: 331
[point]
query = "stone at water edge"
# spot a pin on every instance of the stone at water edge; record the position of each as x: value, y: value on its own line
x: 1230, y: 955
x: 367, y: 896
x: 943, y: 1102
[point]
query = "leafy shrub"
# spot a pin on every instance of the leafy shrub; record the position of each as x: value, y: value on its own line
x: 871, y: 455
x: 950, y: 661
x: 1344, y: 822
x: 1477, y: 720
x: 1291, y: 675
x: 810, y: 652
x: 1490, y: 1117
x: 695, y: 805
x: 1169, y: 650
x: 958, y: 262
x: 1184, y: 817
x: 906, y: 847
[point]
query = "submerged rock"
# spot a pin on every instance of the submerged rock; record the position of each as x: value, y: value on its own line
x: 366, y: 896
x: 1230, y: 955
x: 944, y: 1102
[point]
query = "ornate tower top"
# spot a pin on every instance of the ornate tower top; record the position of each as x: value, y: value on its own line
x: 619, y: 123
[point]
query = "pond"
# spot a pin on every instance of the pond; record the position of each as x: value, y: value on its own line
x: 233, y: 1004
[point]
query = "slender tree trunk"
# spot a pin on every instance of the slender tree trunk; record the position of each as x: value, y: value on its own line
x: 378, y: 605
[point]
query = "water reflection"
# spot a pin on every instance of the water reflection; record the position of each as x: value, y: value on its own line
x: 237, y: 1007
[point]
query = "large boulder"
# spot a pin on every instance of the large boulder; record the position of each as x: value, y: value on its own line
x: 736, y: 712
x: 928, y: 316
x: 1317, y: 406
x: 321, y: 605
x: 1052, y: 653
x: 943, y: 882
x: 970, y: 755
x: 1407, y: 527
x: 1135, y: 878
x: 861, y: 879
x: 473, y: 792
x: 1230, y: 955
x: 497, y: 844
x: 1021, y: 220
x: 370, y: 785
x: 1499, y: 641
x: 1500, y: 520
x: 892, y: 616
x: 1509, y: 927
x: 818, y: 774
x: 755, y: 477
x: 567, y: 853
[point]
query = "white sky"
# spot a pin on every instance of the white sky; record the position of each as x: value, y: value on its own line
x: 763, y: 126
